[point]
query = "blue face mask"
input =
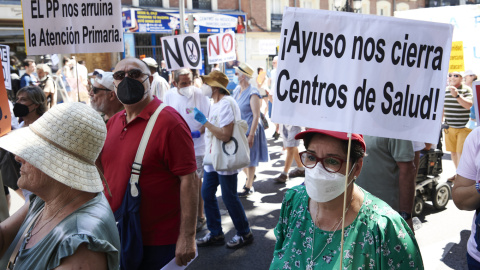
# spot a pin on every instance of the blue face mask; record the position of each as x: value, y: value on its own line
x: 235, y: 79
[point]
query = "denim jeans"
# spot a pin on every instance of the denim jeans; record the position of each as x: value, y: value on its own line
x: 228, y: 184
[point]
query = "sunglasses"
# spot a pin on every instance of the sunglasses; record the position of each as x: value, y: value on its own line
x: 96, y: 89
x: 454, y: 75
x: 132, y: 73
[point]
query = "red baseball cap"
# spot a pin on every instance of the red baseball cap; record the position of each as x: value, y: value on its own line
x: 339, y: 135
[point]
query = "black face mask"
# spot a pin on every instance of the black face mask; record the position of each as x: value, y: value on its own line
x: 20, y: 110
x: 130, y: 91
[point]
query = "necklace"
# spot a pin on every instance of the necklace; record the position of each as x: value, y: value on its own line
x: 30, y: 234
x: 329, y: 239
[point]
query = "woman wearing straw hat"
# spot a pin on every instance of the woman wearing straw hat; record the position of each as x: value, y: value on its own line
x: 310, y: 225
x: 68, y: 221
x: 249, y: 100
x: 223, y: 113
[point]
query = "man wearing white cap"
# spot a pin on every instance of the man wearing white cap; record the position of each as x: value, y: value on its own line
x: 159, y: 85
x: 164, y: 201
x: 458, y: 100
x: 102, y: 96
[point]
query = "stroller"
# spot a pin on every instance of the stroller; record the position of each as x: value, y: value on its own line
x: 428, y: 187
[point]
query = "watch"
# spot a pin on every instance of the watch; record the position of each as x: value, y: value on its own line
x: 456, y: 96
x: 405, y: 215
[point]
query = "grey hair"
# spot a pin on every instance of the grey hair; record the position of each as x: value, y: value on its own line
x: 183, y: 71
x: 45, y: 68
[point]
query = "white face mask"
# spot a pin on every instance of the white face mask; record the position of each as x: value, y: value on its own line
x: 323, y: 186
x: 207, y: 90
x: 186, y: 91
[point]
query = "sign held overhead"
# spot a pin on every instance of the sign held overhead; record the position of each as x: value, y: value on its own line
x: 72, y: 26
x: 5, y: 57
x: 392, y: 78
x: 221, y: 48
x: 182, y: 51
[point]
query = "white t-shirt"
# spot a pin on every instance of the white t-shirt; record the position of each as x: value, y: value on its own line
x: 184, y: 107
x: 273, y: 82
x: 221, y: 114
x: 469, y: 167
x: 159, y: 86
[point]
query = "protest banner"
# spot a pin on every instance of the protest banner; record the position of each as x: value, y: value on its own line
x: 221, y: 48
x: 5, y: 117
x: 364, y: 74
x: 182, y: 51
x: 150, y: 21
x: 476, y: 100
x: 456, y: 57
x: 72, y: 26
x: 5, y: 56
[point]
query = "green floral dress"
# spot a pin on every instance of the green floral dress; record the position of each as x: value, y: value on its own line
x: 377, y: 239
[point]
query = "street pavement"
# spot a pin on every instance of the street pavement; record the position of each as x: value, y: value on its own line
x: 442, y: 237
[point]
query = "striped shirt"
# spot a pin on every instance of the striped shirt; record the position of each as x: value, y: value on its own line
x: 456, y: 116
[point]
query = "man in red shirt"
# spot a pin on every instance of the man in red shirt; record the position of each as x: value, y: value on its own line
x: 168, y: 190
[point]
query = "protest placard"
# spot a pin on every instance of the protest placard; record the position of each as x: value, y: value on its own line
x: 72, y: 26
x: 182, y: 51
x: 365, y: 74
x: 456, y: 57
x: 5, y: 56
x: 5, y: 117
x: 221, y: 48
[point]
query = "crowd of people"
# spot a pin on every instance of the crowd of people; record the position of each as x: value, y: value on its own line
x: 122, y: 180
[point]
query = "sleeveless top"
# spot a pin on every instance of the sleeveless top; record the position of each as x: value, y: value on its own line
x: 92, y: 223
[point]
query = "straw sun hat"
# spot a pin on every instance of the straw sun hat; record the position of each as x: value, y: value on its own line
x: 245, y: 69
x: 64, y: 144
x: 216, y: 79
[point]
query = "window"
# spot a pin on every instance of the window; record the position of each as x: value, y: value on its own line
x: 202, y: 4
x: 306, y: 4
x: 151, y: 3
x: 277, y: 7
x: 384, y: 8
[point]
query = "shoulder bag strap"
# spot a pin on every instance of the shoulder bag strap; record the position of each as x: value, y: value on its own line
x: 13, y: 257
x: 137, y: 163
x: 233, y: 108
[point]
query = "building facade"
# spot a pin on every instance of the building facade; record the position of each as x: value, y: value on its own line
x: 261, y: 19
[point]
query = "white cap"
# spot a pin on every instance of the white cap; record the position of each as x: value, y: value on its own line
x: 96, y: 72
x: 150, y: 62
x: 106, y: 79
x: 469, y: 72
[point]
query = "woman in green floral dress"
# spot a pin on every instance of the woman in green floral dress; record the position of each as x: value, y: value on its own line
x: 309, y: 229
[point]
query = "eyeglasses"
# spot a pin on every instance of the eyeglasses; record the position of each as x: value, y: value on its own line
x: 132, y: 73
x: 96, y: 89
x: 331, y: 164
x: 454, y: 75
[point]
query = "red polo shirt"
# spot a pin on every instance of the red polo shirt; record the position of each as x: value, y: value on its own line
x: 169, y: 154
